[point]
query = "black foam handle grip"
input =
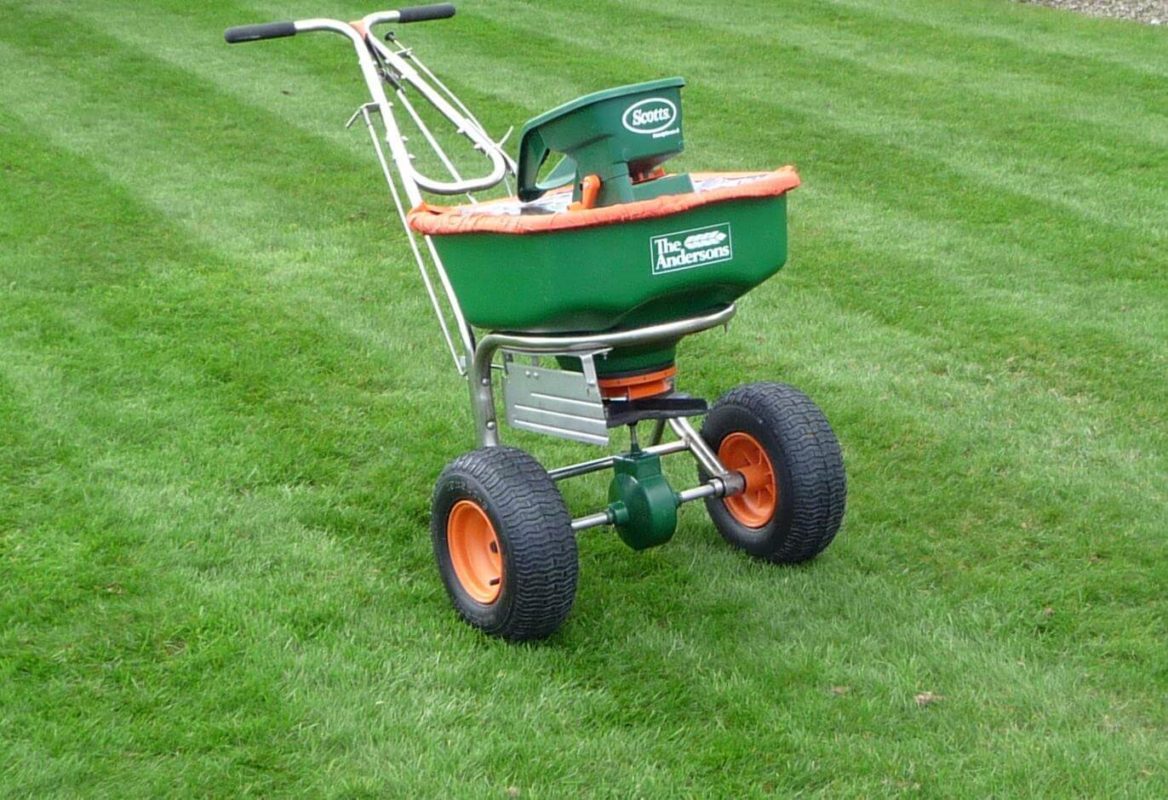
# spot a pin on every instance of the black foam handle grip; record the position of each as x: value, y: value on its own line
x: 423, y: 13
x: 253, y: 33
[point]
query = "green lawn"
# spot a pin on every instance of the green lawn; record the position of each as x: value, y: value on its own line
x: 223, y: 404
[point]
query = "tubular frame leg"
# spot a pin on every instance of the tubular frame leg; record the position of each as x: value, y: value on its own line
x: 482, y: 395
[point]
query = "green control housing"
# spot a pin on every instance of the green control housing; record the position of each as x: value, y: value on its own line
x: 641, y: 501
x: 616, y: 135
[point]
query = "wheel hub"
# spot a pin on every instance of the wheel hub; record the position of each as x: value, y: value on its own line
x: 755, y: 506
x: 474, y: 551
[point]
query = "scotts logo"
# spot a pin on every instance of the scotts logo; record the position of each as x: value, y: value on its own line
x: 696, y: 247
x: 653, y: 116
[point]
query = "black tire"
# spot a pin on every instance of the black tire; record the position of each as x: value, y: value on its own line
x: 535, y: 543
x: 810, y: 487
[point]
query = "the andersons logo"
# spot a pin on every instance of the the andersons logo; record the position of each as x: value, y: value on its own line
x: 696, y: 247
x: 654, y: 117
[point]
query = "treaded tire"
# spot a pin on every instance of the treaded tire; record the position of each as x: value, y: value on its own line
x: 535, y: 542
x: 804, y: 461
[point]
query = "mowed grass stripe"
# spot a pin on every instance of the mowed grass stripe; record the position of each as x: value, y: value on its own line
x: 319, y: 195
x: 985, y: 72
x: 462, y: 52
x: 272, y: 263
x: 308, y: 86
x: 129, y: 398
x: 142, y: 578
x: 1073, y: 38
x: 990, y: 471
x: 284, y: 88
x: 974, y: 313
x: 997, y: 137
x: 1078, y: 83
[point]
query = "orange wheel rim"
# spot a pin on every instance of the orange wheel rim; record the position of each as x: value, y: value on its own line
x: 754, y: 507
x: 474, y: 551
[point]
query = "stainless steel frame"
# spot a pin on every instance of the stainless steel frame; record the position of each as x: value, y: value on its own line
x: 398, y: 67
x: 482, y: 395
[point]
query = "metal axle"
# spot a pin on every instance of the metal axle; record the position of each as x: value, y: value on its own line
x: 715, y: 487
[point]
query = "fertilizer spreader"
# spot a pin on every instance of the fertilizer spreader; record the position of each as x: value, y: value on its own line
x: 571, y: 294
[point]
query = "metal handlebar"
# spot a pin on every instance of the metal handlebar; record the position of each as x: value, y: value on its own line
x: 396, y: 66
x: 415, y: 14
x: 276, y: 30
x: 366, y: 46
x: 253, y: 33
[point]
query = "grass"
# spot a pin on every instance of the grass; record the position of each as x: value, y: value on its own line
x: 223, y: 404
